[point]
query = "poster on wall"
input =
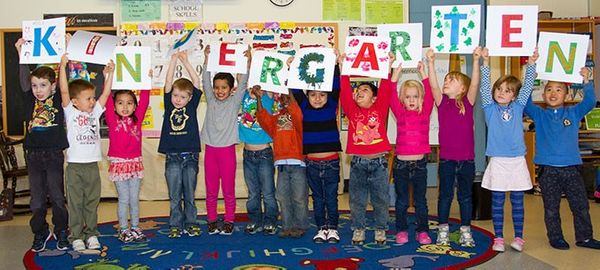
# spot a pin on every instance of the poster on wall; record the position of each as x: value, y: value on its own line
x: 341, y: 10
x: 455, y: 28
x: 384, y: 11
x: 92, y: 47
x: 185, y: 10
x: 140, y: 10
x: 44, y: 41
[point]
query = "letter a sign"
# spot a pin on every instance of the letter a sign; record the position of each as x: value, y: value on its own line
x: 44, y: 41
x: 132, y: 65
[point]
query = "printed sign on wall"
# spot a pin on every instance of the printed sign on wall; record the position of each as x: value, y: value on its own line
x: 455, y: 29
x: 228, y: 57
x: 561, y: 56
x: 132, y: 65
x: 92, y: 47
x: 406, y: 41
x: 44, y: 41
x: 511, y: 30
x: 269, y: 70
x: 312, y: 69
x: 367, y: 56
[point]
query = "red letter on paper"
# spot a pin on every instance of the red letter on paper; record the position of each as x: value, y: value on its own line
x: 223, y: 56
x: 507, y: 30
x: 366, y: 54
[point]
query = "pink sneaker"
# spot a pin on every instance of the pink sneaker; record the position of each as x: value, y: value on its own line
x: 498, y: 244
x: 517, y: 244
x: 402, y: 238
x: 597, y: 194
x: 423, y: 238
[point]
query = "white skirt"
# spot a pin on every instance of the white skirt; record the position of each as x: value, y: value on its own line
x: 507, y: 174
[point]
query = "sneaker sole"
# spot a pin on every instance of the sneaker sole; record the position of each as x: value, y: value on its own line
x: 50, y: 235
x: 214, y: 232
x: 333, y: 241
x: 226, y: 233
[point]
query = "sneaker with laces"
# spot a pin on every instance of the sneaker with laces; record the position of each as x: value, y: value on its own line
x: 589, y: 243
x: 138, y: 234
x: 62, y: 240
x: 380, y: 237
x: 321, y: 236
x: 358, y: 237
x: 126, y: 236
x: 40, y: 240
x: 517, y: 244
x: 252, y: 229
x: 402, y: 238
x: 332, y: 236
x: 193, y: 230
x: 93, y: 243
x: 269, y: 230
x: 227, y: 228
x: 498, y: 244
x: 443, y: 235
x: 213, y: 227
x: 174, y: 232
x: 423, y: 238
x: 466, y: 238
x: 78, y: 245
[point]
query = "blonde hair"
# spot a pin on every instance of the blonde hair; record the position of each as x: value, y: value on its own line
x: 465, y: 81
x: 414, y: 84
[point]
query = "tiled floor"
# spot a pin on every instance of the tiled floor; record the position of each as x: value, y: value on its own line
x: 16, y: 237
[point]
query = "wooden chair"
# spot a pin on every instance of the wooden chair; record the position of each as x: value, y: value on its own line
x: 11, y: 171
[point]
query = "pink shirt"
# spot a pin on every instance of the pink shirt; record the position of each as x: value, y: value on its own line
x: 412, y: 127
x: 457, y: 140
x: 367, y: 133
x: 125, y: 136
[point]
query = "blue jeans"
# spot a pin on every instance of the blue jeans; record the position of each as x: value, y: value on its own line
x: 292, y: 195
x: 129, y: 198
x: 181, y: 172
x: 323, y: 179
x: 368, y: 177
x: 411, y: 172
x: 259, y: 175
x: 461, y: 172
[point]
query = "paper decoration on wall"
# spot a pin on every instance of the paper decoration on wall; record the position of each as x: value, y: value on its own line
x: 44, y: 41
x: 455, y: 29
x: 561, y: 56
x: 269, y: 70
x: 511, y: 30
x: 312, y: 69
x: 140, y: 10
x: 185, y: 10
x: 132, y: 65
x: 367, y: 56
x: 228, y: 57
x: 406, y: 41
x: 92, y: 47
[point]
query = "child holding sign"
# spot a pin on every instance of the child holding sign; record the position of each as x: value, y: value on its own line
x: 457, y: 145
x: 503, y: 105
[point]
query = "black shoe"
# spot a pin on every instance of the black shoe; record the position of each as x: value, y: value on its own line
x: 213, y: 227
x: 590, y: 243
x: 227, y: 228
x: 40, y: 240
x: 559, y: 244
x: 62, y: 241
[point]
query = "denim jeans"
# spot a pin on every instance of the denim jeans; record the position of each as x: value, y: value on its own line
x: 323, y: 179
x: 292, y: 195
x: 128, y: 192
x: 259, y: 176
x: 461, y: 172
x: 369, y: 178
x: 411, y: 172
x: 181, y: 170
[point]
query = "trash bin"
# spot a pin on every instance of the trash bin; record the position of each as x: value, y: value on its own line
x: 482, y: 200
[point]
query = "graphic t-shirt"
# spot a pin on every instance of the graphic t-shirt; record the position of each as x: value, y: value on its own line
x: 249, y: 129
x: 180, y: 131
x: 83, y: 133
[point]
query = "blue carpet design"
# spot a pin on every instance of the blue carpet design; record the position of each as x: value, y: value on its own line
x: 244, y: 252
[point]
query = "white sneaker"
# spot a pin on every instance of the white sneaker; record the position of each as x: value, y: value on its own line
x: 466, y: 238
x: 78, y: 245
x: 333, y: 236
x: 321, y: 236
x: 443, y: 237
x: 92, y: 243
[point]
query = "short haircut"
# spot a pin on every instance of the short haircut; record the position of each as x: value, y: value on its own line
x: 224, y: 76
x: 184, y: 85
x: 370, y: 85
x: 78, y: 86
x: 566, y: 85
x: 512, y: 83
x: 44, y: 72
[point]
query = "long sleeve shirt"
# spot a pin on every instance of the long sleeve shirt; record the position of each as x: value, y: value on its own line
x: 286, y: 130
x: 125, y: 135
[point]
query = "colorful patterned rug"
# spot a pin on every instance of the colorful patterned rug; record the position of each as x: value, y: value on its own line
x: 245, y: 252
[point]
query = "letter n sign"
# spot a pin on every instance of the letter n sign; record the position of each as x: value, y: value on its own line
x: 132, y: 65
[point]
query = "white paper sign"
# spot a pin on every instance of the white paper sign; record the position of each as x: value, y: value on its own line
x: 511, y: 30
x: 312, y: 69
x: 185, y: 10
x: 367, y: 56
x: 269, y: 70
x: 92, y: 47
x: 561, y: 56
x: 132, y: 65
x: 406, y: 41
x: 227, y: 57
x: 44, y: 41
x: 455, y: 28
x: 185, y: 42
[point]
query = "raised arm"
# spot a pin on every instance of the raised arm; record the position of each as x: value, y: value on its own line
x: 395, y: 104
x: 486, y: 87
x: 242, y: 79
x: 143, y: 103
x: 435, y: 86
x: 530, y: 75
x: 170, y: 73
x: 24, y: 71
x: 589, y: 97
x: 335, y: 88
x: 63, y: 82
x: 109, y: 72
x: 206, y: 82
x: 183, y: 57
x: 475, y: 77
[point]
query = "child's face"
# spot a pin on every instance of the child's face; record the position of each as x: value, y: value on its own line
x: 317, y: 99
x: 554, y: 94
x: 452, y: 87
x: 363, y: 96
x: 221, y: 89
x: 124, y: 105
x: 180, y: 98
x: 503, y: 95
x: 41, y: 88
x: 411, y: 99
x: 85, y: 101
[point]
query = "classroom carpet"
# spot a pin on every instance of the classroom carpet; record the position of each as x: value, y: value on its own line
x: 241, y: 251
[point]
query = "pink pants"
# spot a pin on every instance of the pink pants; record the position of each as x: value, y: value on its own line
x: 219, y: 164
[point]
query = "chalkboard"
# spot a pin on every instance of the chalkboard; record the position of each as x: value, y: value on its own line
x: 13, y: 98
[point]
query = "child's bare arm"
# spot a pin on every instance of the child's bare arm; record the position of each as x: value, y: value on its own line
x: 109, y: 71
x: 397, y: 72
x: 63, y: 82
x: 475, y: 77
x: 435, y: 86
x: 183, y: 57
x: 170, y: 73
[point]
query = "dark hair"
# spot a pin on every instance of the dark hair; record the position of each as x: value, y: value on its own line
x: 130, y: 93
x: 512, y: 83
x: 224, y: 76
x: 44, y: 72
x: 185, y: 85
x: 370, y: 85
x: 78, y: 86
